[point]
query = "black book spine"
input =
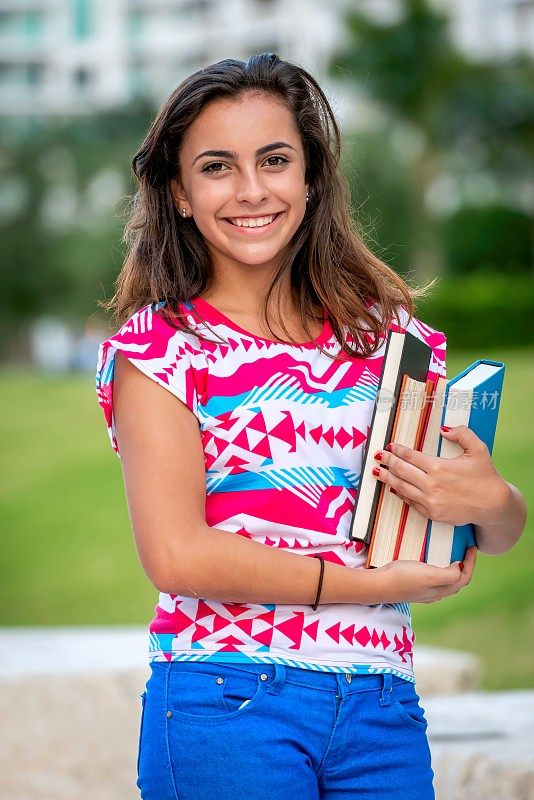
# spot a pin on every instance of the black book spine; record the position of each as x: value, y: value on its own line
x: 415, y: 361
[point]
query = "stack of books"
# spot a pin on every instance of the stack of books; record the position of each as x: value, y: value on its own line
x: 410, y: 410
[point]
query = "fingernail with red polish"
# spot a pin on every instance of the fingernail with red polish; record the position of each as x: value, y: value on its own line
x: 388, y: 447
x: 376, y: 471
x: 445, y: 428
x: 391, y: 489
x: 378, y: 456
x: 461, y: 565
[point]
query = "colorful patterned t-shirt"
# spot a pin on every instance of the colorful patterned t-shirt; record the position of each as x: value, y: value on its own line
x: 283, y: 429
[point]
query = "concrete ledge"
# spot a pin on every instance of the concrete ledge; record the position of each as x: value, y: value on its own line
x: 482, y: 745
x: 70, y: 737
x: 94, y: 649
x: 70, y: 706
x: 70, y: 650
x: 441, y: 671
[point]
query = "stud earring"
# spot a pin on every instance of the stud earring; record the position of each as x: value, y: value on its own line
x: 307, y: 196
x: 184, y: 212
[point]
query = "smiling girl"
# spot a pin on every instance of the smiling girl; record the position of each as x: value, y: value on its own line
x: 252, y: 326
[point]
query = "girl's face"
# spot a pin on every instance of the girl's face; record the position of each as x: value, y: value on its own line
x: 243, y: 180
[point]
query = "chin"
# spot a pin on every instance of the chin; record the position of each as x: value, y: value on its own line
x: 266, y: 260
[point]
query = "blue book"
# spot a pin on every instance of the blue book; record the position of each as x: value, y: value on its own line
x: 472, y: 398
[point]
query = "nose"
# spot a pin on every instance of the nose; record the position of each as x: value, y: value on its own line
x: 250, y: 188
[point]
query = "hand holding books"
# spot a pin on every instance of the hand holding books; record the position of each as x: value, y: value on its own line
x: 450, y: 492
x: 431, y: 516
x: 457, y: 490
x: 416, y: 582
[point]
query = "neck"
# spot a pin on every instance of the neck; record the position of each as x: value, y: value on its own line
x: 243, y: 306
x: 246, y: 297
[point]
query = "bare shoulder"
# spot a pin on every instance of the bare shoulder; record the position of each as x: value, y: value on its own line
x: 139, y: 399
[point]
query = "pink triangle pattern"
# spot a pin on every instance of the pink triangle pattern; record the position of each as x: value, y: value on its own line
x: 282, y: 429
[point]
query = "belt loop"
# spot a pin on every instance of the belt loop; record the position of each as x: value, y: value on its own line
x: 279, y: 679
x: 387, y: 689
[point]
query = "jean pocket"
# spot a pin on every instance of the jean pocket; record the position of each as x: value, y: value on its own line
x: 406, y: 703
x: 239, y: 690
x: 143, y: 701
x: 211, y: 693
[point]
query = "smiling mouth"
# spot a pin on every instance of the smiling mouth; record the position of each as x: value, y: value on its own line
x: 253, y: 222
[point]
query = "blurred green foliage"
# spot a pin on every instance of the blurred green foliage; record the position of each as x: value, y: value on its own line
x: 471, y: 126
x: 65, y: 187
x: 382, y: 196
x: 482, y: 310
x: 494, y: 238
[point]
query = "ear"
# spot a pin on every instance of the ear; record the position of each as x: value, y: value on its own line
x: 178, y: 195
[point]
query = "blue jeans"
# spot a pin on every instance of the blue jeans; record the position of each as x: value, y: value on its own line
x: 269, y: 732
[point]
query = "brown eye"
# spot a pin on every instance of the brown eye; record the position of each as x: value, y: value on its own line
x: 211, y: 167
x: 281, y: 160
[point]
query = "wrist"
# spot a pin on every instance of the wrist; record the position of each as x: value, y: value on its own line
x: 370, y: 587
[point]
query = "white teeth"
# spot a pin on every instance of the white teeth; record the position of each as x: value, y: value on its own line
x: 253, y: 223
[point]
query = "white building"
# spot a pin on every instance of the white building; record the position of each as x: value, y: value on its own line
x: 492, y: 28
x: 77, y: 56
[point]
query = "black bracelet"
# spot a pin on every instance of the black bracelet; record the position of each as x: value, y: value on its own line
x: 320, y: 586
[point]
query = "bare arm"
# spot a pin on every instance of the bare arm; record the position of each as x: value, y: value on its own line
x: 164, y: 477
x: 505, y: 520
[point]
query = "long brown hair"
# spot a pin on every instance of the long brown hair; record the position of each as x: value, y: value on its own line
x: 329, y: 265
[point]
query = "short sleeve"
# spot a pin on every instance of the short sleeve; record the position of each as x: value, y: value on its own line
x: 434, y: 338
x: 162, y: 353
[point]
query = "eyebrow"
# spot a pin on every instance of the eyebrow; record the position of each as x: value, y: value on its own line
x: 232, y: 154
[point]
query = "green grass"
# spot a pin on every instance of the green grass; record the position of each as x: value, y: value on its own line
x: 68, y: 557
x: 494, y: 616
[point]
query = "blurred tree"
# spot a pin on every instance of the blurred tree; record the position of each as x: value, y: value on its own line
x: 489, y: 239
x: 381, y: 193
x: 470, y: 116
x: 64, y: 187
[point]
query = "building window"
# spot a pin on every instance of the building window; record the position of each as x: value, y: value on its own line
x: 34, y: 24
x: 195, y: 6
x: 82, y: 77
x: 21, y: 23
x: 135, y: 22
x: 33, y: 74
x: 138, y: 79
x: 82, y: 19
x: 192, y: 9
x: 20, y: 76
x: 11, y: 21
